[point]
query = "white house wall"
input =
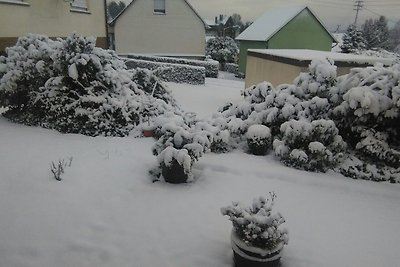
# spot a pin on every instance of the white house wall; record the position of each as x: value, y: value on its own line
x: 52, y: 18
x: 178, y: 31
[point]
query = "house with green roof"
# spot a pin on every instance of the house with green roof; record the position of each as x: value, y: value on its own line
x: 295, y: 27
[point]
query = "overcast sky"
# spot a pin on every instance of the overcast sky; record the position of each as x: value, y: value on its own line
x: 331, y: 12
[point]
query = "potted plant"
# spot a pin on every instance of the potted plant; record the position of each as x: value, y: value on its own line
x: 257, y: 239
x: 258, y: 139
x: 176, y: 164
x: 148, y: 129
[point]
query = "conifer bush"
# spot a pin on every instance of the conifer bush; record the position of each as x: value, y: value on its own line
x: 74, y: 87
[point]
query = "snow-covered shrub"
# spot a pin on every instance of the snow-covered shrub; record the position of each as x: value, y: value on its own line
x: 258, y: 139
x: 79, y: 88
x: 222, y: 49
x: 176, y: 165
x: 179, y: 135
x: 368, y: 113
x: 169, y: 72
x: 314, y: 146
x: 257, y: 225
x: 355, y: 168
x: 211, y: 66
x: 220, y: 143
x: 232, y: 68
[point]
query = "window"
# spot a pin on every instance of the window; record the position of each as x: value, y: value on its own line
x: 79, y: 5
x: 159, y: 6
x: 17, y: 2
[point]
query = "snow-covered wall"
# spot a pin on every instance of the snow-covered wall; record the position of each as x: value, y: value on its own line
x: 178, y: 31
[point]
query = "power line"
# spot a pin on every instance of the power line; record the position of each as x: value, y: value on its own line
x: 357, y: 7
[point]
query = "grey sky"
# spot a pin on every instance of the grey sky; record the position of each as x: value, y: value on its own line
x: 331, y: 12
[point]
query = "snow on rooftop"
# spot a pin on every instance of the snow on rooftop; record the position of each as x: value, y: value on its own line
x: 270, y: 23
x: 306, y: 54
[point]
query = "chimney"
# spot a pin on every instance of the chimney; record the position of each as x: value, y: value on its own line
x: 221, y: 18
x: 216, y: 20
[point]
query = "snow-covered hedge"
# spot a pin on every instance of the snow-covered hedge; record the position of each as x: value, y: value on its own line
x: 211, y: 66
x: 74, y: 87
x: 232, y: 68
x: 168, y: 72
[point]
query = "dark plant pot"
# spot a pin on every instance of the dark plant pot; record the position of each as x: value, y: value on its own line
x: 247, y: 256
x: 257, y: 149
x: 174, y: 173
x: 148, y: 133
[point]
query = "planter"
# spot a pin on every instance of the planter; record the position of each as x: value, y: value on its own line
x: 257, y: 148
x: 148, y: 133
x: 174, y: 174
x: 248, y: 256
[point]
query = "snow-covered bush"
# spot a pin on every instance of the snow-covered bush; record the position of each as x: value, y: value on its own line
x: 211, y: 66
x: 367, y: 115
x: 258, y: 139
x: 232, y: 68
x: 176, y: 165
x: 169, y: 72
x: 74, y: 87
x: 314, y: 146
x: 180, y: 135
x: 257, y: 225
x: 222, y: 49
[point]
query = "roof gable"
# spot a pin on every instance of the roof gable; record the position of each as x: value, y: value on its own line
x: 112, y: 23
x: 273, y: 21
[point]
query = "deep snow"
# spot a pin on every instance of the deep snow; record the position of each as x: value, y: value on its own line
x: 107, y: 212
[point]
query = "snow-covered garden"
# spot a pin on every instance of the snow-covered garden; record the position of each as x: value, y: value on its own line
x: 109, y: 210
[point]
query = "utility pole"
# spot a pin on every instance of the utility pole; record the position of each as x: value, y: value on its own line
x: 358, y: 5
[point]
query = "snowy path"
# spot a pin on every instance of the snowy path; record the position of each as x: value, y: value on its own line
x: 107, y: 212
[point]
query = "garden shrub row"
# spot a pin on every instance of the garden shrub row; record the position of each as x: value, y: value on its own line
x: 349, y: 124
x: 168, y: 72
x: 211, y: 66
x: 232, y: 68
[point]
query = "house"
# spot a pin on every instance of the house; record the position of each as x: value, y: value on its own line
x: 282, y: 66
x: 54, y: 18
x: 159, y: 27
x: 295, y: 27
x: 221, y: 25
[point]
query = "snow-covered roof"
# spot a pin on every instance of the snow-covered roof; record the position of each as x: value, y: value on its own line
x: 112, y: 22
x: 211, y: 22
x: 273, y: 21
x: 308, y: 55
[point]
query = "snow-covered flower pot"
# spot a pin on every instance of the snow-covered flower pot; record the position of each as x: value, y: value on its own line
x: 258, y: 139
x: 249, y: 256
x: 257, y: 237
x: 176, y: 165
x: 148, y: 130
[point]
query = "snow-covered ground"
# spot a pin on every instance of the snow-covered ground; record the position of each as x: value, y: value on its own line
x: 107, y: 212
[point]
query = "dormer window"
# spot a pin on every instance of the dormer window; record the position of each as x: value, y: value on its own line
x: 159, y: 6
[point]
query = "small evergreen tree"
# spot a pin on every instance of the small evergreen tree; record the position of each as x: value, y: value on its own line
x: 352, y: 40
x: 222, y: 49
x: 376, y: 33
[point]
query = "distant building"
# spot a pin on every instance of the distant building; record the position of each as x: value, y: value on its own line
x: 54, y: 18
x: 159, y: 27
x: 282, y: 66
x: 285, y: 28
